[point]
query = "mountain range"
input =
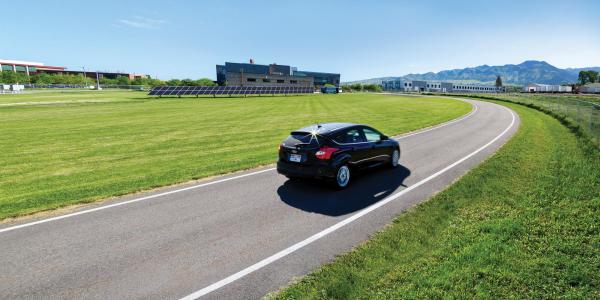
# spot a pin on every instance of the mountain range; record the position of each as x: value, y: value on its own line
x: 531, y: 71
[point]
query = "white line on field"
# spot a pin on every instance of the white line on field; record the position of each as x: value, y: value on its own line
x: 199, y: 185
x: 319, y: 235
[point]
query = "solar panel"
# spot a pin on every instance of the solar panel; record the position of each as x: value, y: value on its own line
x: 155, y: 90
x: 173, y: 90
x: 227, y: 90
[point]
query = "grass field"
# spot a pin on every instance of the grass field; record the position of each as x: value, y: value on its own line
x: 68, y: 96
x: 68, y: 151
x: 524, y: 224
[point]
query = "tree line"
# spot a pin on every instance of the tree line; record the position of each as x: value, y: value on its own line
x: 357, y: 87
x: 9, y: 77
x: 586, y: 77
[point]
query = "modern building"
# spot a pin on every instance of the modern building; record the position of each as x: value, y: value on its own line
x: 320, y: 79
x: 32, y: 68
x: 547, y: 88
x: 28, y: 67
x: 590, y: 88
x: 438, y: 86
x: 251, y: 74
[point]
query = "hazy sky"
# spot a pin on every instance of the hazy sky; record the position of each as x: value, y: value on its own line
x: 359, y: 39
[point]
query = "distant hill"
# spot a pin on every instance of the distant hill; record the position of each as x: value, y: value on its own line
x: 575, y: 71
x: 531, y: 71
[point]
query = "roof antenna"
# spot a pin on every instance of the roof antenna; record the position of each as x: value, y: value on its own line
x: 319, y: 125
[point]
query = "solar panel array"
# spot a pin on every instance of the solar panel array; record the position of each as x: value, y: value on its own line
x: 227, y: 90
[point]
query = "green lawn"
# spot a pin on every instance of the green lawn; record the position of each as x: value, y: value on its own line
x: 59, y: 154
x: 524, y: 224
x: 68, y: 96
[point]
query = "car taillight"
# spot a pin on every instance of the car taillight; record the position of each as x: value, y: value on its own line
x: 325, y: 152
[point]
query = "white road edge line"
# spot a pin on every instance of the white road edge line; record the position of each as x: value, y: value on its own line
x: 2, y: 230
x: 475, y: 107
x: 319, y: 235
x: 132, y: 201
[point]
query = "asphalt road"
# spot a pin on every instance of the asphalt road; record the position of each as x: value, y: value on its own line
x: 234, y: 237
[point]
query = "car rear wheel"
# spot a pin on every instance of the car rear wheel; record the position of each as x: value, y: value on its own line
x: 342, y: 177
x: 394, y: 160
x: 293, y: 178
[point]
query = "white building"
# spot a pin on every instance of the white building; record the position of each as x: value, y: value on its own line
x: 590, y: 88
x: 476, y: 88
x: 438, y: 86
x: 547, y: 88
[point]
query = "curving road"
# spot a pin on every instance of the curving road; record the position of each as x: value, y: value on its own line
x: 234, y: 237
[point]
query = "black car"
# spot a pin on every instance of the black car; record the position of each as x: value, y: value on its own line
x: 334, y: 151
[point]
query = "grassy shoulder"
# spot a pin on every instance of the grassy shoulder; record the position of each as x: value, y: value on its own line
x: 548, y: 97
x: 524, y: 224
x: 56, y: 155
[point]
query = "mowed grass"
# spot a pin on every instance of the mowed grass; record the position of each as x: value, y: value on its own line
x: 68, y: 96
x: 56, y: 155
x: 594, y: 98
x: 524, y: 224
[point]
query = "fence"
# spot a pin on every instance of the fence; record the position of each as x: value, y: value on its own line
x: 91, y: 86
x: 578, y: 110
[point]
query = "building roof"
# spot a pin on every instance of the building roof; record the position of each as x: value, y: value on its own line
x: 37, y: 65
x: 20, y: 62
x: 542, y: 84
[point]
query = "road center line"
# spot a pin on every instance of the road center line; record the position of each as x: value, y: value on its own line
x: 227, y: 280
x: 24, y: 225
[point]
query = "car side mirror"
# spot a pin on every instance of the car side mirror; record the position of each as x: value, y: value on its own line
x: 383, y: 137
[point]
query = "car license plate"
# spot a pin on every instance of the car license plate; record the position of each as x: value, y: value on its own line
x: 295, y: 157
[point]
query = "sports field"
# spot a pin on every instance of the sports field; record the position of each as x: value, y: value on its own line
x: 74, y: 147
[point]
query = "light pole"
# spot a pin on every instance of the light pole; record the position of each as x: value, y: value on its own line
x: 84, y: 76
x: 98, y: 81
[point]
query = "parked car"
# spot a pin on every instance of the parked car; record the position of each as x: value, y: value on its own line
x: 335, y: 151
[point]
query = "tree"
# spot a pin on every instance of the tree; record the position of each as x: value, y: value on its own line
x: 188, y: 82
x: 42, y: 78
x: 372, y: 87
x: 173, y: 82
x: 356, y: 87
x: 498, y: 81
x: 8, y: 77
x: 205, y: 82
x: 586, y: 77
x: 123, y: 80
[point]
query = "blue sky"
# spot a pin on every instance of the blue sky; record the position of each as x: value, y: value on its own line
x: 359, y: 39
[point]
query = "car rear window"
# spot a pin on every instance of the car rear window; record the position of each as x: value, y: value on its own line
x: 303, y: 138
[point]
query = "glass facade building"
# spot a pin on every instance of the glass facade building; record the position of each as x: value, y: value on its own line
x: 320, y: 78
x: 239, y: 73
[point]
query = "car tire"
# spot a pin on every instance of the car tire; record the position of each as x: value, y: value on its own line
x: 293, y: 178
x: 342, y: 177
x: 395, y: 159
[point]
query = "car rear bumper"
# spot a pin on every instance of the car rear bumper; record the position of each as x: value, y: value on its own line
x: 305, y: 171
